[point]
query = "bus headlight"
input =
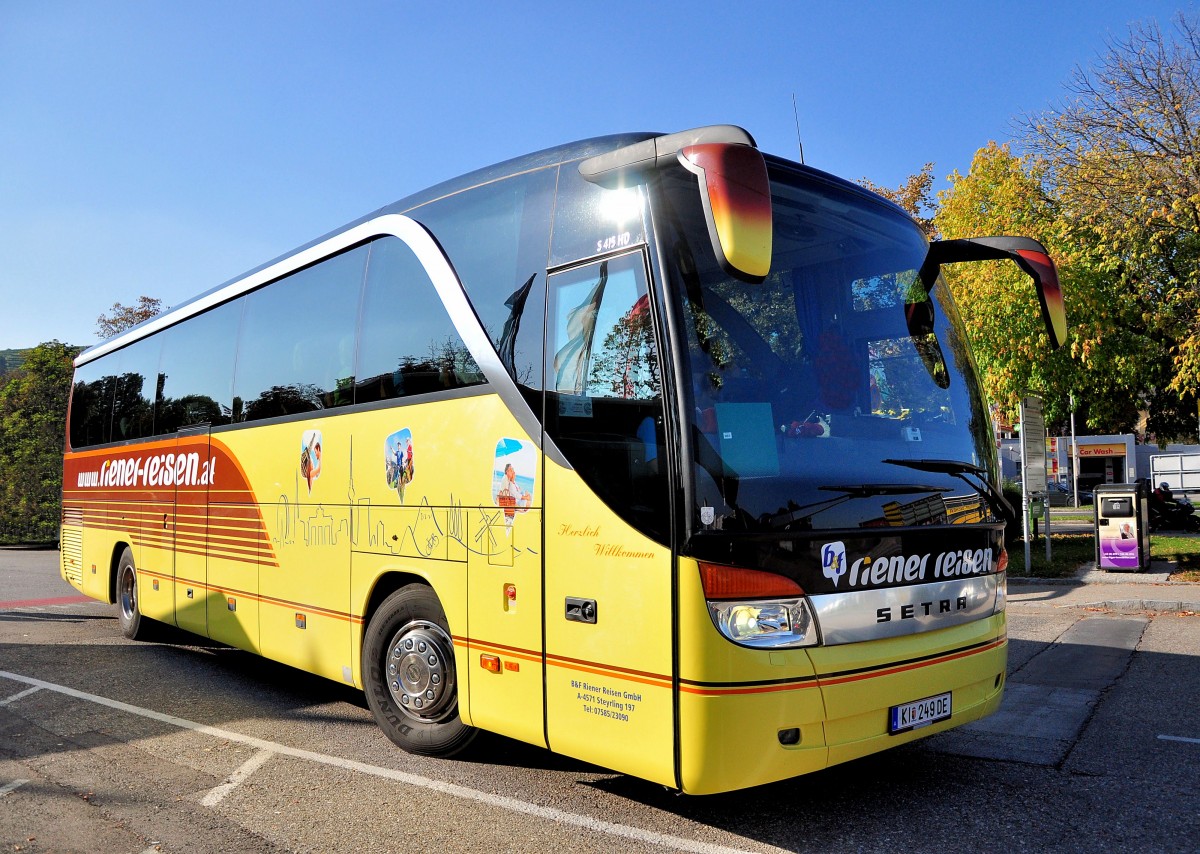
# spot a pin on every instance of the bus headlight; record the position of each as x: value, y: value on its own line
x: 774, y: 624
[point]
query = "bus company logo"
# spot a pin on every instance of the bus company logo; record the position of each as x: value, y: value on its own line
x: 892, y: 570
x: 156, y: 470
x: 833, y: 561
x: 918, y: 568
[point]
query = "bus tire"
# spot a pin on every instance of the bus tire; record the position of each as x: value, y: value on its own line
x: 409, y: 674
x: 133, y: 625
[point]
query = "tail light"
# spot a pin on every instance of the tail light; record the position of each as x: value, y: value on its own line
x: 1001, y: 582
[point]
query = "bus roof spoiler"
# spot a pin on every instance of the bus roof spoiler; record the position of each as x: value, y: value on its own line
x: 629, y: 163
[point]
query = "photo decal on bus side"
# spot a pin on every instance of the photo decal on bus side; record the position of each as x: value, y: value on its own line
x: 398, y: 461
x: 513, y: 478
x: 310, y: 457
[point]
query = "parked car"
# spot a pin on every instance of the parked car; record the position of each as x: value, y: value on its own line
x: 1060, y: 494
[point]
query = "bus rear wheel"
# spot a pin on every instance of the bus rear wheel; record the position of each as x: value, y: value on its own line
x: 133, y: 625
x: 409, y: 674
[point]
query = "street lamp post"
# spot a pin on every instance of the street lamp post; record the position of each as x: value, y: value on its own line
x: 1074, y: 457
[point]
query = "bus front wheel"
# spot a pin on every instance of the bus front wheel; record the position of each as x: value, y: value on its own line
x: 133, y: 625
x: 409, y: 674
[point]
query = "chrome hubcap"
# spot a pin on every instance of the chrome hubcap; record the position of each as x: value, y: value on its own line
x: 420, y: 671
x: 128, y: 593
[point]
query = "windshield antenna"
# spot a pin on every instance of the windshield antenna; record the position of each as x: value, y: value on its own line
x: 796, y: 113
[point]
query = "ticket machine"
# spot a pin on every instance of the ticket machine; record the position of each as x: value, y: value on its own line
x: 1123, y: 527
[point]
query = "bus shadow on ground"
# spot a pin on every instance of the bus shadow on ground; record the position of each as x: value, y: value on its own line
x: 47, y: 617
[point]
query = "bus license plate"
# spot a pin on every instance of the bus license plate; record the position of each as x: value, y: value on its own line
x: 919, y: 713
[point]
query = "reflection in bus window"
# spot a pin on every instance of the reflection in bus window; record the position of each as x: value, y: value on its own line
x: 407, y: 344
x: 605, y: 404
x: 296, y: 347
x: 91, y: 405
x: 134, y: 394
x: 842, y: 343
x: 496, y: 238
x: 198, y: 391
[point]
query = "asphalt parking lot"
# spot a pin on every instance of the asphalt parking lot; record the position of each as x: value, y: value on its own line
x: 108, y: 745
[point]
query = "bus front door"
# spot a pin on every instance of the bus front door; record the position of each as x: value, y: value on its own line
x: 609, y: 696
x: 608, y: 614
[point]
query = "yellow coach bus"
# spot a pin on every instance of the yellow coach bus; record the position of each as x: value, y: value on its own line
x: 651, y: 450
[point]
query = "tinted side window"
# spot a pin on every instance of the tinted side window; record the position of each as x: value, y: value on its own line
x: 604, y: 404
x: 91, y: 404
x: 407, y: 344
x: 133, y: 398
x: 195, y: 380
x: 296, y: 347
x: 497, y: 237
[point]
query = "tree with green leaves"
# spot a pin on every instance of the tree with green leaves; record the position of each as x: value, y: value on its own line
x: 1110, y: 183
x: 1121, y: 157
x: 1106, y: 364
x: 33, y: 411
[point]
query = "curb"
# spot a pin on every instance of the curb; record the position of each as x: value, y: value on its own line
x: 1140, y: 605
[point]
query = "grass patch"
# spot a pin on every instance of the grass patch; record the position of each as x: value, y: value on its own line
x: 1184, y: 551
x: 1067, y: 552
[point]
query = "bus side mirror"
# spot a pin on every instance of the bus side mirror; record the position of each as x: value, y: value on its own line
x: 1027, y: 253
x: 736, y: 195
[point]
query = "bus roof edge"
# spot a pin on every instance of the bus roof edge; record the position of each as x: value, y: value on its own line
x: 614, y: 167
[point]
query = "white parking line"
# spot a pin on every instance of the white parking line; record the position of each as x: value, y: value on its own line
x: 1179, y: 738
x: 637, y: 834
x: 235, y: 779
x: 9, y: 787
x: 19, y: 695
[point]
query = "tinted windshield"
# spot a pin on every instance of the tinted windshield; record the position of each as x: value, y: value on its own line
x: 799, y: 389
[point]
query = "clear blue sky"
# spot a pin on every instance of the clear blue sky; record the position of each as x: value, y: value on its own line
x: 162, y: 148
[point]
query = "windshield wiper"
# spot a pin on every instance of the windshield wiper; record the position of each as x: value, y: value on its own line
x: 862, y: 490
x: 960, y: 470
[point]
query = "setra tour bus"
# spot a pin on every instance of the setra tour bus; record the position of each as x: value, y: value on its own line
x: 705, y: 491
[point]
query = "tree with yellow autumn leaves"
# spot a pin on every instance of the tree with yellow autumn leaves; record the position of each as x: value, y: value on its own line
x: 1109, y: 181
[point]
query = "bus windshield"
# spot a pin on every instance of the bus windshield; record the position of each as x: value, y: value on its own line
x: 837, y: 393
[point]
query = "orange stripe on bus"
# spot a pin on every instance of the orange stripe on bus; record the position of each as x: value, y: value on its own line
x: 758, y: 689
x: 818, y: 681
x: 916, y: 665
x: 600, y: 669
x: 254, y: 597
x: 517, y: 652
